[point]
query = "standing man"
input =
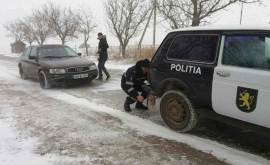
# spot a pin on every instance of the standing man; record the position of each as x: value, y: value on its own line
x: 132, y: 83
x: 103, y: 56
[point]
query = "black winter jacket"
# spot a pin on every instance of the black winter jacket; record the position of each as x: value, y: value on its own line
x: 134, y: 76
x: 103, y: 45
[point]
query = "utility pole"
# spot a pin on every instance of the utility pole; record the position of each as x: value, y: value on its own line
x: 155, y: 19
x: 140, y: 43
x: 241, y: 14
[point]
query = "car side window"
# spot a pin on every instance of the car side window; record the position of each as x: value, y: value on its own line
x: 27, y: 52
x: 251, y: 51
x: 33, y: 52
x: 200, y: 48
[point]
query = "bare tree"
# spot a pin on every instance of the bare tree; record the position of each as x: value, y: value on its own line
x: 184, y: 13
x: 124, y: 19
x: 27, y: 30
x: 42, y: 27
x: 64, y: 21
x: 87, y: 23
x: 14, y: 30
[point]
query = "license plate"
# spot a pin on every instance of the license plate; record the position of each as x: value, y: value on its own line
x: 77, y: 76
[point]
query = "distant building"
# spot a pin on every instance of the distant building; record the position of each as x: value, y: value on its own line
x: 17, y: 47
x: 83, y: 46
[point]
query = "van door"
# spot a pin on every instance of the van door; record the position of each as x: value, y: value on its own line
x: 241, y: 84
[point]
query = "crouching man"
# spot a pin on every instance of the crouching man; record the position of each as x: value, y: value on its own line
x: 132, y: 83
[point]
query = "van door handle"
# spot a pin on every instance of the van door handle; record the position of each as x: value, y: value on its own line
x: 223, y: 74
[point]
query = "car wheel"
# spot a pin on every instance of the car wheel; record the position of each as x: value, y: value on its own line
x: 43, y: 80
x: 22, y: 74
x: 178, y: 111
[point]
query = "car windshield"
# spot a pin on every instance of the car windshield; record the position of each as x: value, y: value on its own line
x: 56, y: 52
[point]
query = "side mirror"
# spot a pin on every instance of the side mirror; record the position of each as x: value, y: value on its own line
x: 80, y: 54
x: 32, y: 57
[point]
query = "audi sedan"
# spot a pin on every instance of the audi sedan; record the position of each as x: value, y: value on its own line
x: 55, y: 65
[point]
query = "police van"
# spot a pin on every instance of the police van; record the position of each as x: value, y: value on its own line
x: 222, y: 71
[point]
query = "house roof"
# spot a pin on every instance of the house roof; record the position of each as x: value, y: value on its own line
x: 18, y: 43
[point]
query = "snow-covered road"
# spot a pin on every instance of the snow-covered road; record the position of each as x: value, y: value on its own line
x: 61, y: 126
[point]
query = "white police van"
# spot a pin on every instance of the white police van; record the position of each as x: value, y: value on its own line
x: 222, y: 69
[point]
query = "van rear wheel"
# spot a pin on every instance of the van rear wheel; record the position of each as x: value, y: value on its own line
x: 178, y: 111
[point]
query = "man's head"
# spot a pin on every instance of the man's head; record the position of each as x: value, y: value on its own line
x: 100, y: 35
x: 145, y: 65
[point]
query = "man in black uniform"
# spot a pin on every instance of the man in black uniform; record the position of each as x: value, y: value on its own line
x: 103, y: 56
x: 132, y: 82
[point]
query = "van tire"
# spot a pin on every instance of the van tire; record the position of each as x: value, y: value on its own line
x: 177, y: 111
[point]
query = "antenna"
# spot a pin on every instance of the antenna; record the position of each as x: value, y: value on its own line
x: 241, y: 14
x: 154, y: 30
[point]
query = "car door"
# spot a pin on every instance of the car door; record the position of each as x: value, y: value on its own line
x: 241, y: 84
x: 33, y: 64
x: 24, y: 60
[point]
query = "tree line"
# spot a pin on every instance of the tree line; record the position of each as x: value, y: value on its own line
x: 125, y: 19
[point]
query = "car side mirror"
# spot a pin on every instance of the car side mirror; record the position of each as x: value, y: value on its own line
x: 32, y: 57
x: 80, y: 54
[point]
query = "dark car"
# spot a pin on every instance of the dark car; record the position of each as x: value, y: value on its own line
x: 56, y: 65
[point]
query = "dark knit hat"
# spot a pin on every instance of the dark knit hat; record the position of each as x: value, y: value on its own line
x: 145, y: 63
x: 100, y: 34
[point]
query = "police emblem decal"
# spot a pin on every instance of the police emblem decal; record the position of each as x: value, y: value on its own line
x: 246, y: 99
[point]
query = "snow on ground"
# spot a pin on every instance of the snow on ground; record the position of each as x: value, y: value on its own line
x: 16, y: 150
x: 112, y: 64
x: 113, y: 85
x: 14, y: 55
x: 143, y: 126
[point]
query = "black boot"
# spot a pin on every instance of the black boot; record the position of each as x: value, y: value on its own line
x: 108, y: 77
x: 140, y: 105
x: 127, y: 106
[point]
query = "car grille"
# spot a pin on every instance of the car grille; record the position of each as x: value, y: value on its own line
x: 78, y: 69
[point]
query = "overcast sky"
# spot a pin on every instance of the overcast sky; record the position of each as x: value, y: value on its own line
x: 14, y: 9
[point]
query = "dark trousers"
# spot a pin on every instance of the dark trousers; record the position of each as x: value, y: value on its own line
x: 101, y: 67
x: 132, y: 95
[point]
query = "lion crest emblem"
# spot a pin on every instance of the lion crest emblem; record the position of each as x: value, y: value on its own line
x: 246, y: 99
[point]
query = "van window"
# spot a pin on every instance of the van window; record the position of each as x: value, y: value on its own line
x: 251, y: 51
x: 200, y: 48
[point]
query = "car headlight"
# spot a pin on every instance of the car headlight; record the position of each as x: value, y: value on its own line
x: 93, y: 67
x: 58, y: 71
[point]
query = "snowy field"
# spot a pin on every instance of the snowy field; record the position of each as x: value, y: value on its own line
x: 54, y: 127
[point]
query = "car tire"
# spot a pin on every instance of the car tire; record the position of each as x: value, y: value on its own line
x: 177, y: 111
x: 22, y: 74
x: 43, y: 81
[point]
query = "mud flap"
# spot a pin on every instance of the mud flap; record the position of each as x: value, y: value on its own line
x: 151, y: 99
